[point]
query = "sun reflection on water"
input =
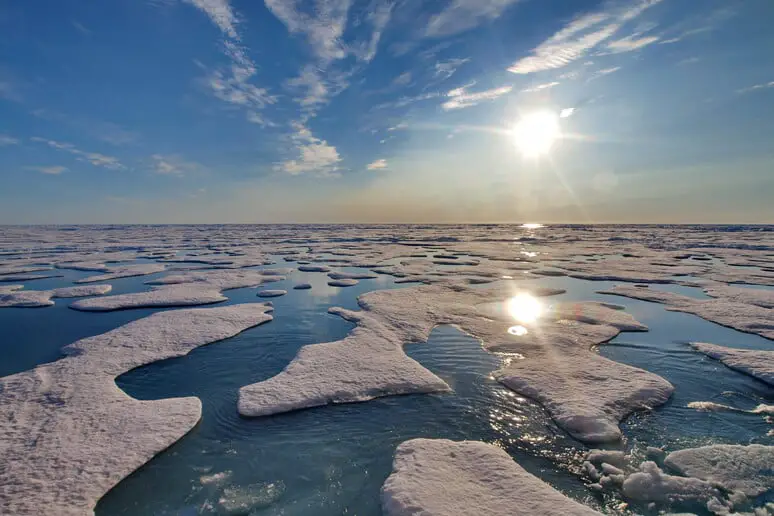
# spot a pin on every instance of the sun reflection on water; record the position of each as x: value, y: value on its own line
x: 525, y: 308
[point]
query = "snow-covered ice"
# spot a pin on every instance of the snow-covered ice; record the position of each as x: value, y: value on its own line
x: 749, y: 318
x: 41, y: 298
x: 343, y: 282
x: 758, y: 364
x: 438, y: 477
x: 183, y: 289
x: 69, y: 416
x: 272, y: 293
x: 125, y: 271
x: 746, y: 469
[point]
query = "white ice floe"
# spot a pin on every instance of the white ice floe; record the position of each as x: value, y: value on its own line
x: 314, y: 268
x: 711, y: 406
x: 749, y: 318
x: 27, y: 277
x: 167, y: 296
x: 651, y: 484
x: 343, y: 283
x: 586, y: 394
x: 40, y: 298
x: 744, y: 469
x: 750, y: 296
x: 437, y: 477
x: 272, y: 293
x: 338, y: 275
x: 758, y: 364
x: 125, y: 271
x: 69, y: 434
x: 184, y: 289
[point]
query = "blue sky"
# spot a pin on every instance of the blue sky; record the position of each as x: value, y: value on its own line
x: 385, y: 110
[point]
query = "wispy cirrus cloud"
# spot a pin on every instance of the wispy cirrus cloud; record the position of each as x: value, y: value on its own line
x: 314, y: 155
x: 94, y: 158
x: 460, y: 98
x: 379, y: 164
x: 756, y: 87
x: 173, y: 165
x: 463, y: 15
x: 541, y: 87
x: 52, y: 170
x: 445, y: 69
x: 6, y: 140
x: 581, y: 36
x: 221, y: 14
x: 235, y: 84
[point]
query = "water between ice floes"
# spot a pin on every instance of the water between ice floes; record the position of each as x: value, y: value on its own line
x: 333, y: 460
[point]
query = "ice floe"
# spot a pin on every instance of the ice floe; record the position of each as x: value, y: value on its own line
x: 125, y: 271
x: 41, y: 298
x: 438, y: 477
x: 272, y: 293
x: 183, y: 289
x: 740, y: 316
x: 69, y: 433
x: 758, y: 364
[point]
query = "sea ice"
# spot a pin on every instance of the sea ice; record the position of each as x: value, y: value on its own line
x: 125, y: 271
x: 584, y: 393
x: 437, y: 477
x: 343, y: 283
x: 41, y: 298
x: 746, y: 469
x: 69, y: 434
x: 758, y: 364
x: 272, y: 293
x: 749, y: 318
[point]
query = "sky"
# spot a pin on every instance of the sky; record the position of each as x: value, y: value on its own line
x: 250, y: 111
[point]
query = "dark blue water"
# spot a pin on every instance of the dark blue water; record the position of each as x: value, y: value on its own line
x: 333, y: 460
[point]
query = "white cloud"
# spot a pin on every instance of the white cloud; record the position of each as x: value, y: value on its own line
x: 462, y: 15
x: 461, y: 98
x: 311, y: 81
x: 80, y: 28
x: 755, y: 87
x: 630, y: 43
x: 445, y: 69
x: 402, y: 80
x: 540, y: 87
x: 379, y: 164
x: 603, y: 72
x: 95, y: 158
x: 234, y: 84
x: 398, y: 127
x: 220, y: 13
x: 314, y: 155
x: 580, y: 36
x: 323, y: 29
x: 7, y: 140
x: 53, y: 170
x: 172, y: 165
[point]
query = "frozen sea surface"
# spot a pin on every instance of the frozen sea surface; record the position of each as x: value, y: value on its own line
x: 333, y: 460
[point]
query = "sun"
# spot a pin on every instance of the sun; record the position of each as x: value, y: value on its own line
x: 535, y: 133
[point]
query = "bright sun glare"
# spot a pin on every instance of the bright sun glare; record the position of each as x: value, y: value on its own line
x: 535, y: 133
x: 524, y: 308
